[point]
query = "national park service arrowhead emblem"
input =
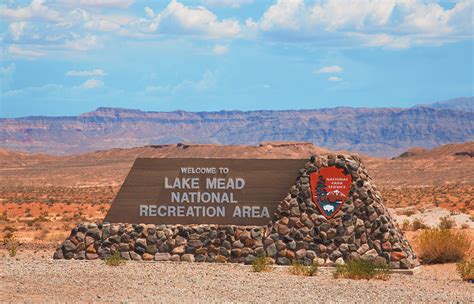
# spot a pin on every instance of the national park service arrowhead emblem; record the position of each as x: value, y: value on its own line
x: 330, y: 188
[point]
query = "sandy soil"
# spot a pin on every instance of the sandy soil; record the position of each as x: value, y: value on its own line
x: 35, y: 277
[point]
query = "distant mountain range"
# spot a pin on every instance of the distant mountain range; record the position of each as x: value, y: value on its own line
x: 373, y: 131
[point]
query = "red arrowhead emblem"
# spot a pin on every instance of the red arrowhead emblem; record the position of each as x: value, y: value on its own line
x: 330, y: 188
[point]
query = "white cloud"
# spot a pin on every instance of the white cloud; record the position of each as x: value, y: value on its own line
x: 329, y: 69
x: 208, y: 80
x: 227, y: 3
x: 7, y: 70
x: 220, y: 49
x: 89, y: 73
x: 283, y: 15
x: 334, y: 79
x: 92, y: 84
x: 100, y: 3
x: 102, y: 25
x: 177, y: 18
x: 32, y: 90
x: 395, y: 24
x: 36, y: 10
x: 17, y: 29
x: 85, y: 43
x: 16, y: 50
x: 149, y: 12
x: 386, y: 41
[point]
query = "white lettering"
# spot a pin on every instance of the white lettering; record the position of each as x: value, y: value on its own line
x: 143, y: 210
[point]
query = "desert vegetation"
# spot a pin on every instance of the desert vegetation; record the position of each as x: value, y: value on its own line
x: 262, y: 264
x: 297, y: 268
x: 362, y: 270
x: 115, y: 260
x: 9, y: 241
x: 443, y: 246
x: 465, y: 269
x: 455, y: 197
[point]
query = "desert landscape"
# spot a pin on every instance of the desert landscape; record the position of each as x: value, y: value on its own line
x: 236, y: 151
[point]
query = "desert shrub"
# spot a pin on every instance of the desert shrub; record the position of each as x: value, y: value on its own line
x: 41, y: 236
x: 408, y: 212
x: 443, y: 246
x: 446, y: 222
x: 115, y: 260
x: 360, y: 269
x: 406, y: 225
x: 10, y: 242
x: 4, y: 216
x: 466, y: 269
x: 297, y: 268
x: 418, y: 224
x: 262, y: 264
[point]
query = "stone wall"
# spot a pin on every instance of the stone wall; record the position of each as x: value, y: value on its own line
x: 362, y: 229
x: 201, y: 243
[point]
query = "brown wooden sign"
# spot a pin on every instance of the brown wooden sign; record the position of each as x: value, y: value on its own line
x: 203, y: 191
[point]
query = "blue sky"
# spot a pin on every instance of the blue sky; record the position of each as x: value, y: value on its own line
x: 68, y: 57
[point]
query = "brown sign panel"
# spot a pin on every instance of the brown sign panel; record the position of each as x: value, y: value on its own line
x: 203, y: 191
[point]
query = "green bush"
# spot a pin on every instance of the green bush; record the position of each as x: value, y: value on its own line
x: 262, y: 264
x: 299, y: 269
x: 360, y: 269
x: 115, y: 260
x: 466, y: 269
x: 443, y: 246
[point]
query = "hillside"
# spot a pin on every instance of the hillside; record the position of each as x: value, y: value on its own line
x: 440, y: 166
x: 374, y: 131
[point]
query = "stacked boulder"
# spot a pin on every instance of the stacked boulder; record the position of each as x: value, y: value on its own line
x: 362, y: 229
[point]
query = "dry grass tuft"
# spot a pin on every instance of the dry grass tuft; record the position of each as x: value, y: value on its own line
x: 446, y: 222
x: 418, y: 224
x: 362, y: 270
x: 297, y: 268
x: 443, y: 246
x: 115, y: 260
x: 466, y: 269
x: 262, y: 264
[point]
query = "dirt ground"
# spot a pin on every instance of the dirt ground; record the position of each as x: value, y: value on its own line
x: 35, y: 277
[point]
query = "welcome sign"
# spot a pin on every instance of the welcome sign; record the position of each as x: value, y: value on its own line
x: 203, y: 191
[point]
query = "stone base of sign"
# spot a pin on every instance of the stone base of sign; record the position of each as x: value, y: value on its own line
x: 201, y: 243
x: 362, y: 229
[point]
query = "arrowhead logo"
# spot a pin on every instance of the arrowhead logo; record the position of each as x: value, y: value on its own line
x: 330, y: 188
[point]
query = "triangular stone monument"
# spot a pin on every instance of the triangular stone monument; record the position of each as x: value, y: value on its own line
x: 361, y: 229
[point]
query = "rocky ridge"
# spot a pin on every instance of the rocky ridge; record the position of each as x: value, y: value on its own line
x: 373, y: 131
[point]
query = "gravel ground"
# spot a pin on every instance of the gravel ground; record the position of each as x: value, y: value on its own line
x: 35, y: 277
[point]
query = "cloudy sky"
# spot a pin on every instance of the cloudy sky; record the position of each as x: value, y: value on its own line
x: 64, y: 57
